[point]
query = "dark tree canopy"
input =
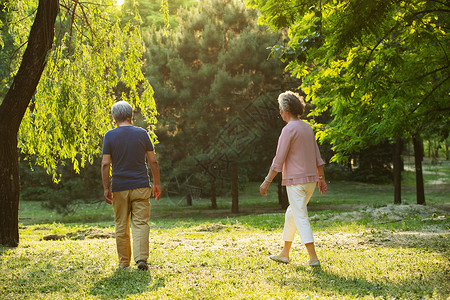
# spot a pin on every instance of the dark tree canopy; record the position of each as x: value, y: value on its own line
x: 209, y: 74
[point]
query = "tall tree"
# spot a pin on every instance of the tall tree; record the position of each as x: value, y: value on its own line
x: 380, y: 67
x: 11, y: 113
x: 210, y: 73
x: 62, y: 109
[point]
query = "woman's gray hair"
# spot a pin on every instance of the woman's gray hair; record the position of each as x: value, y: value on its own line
x: 292, y: 102
x: 121, y: 111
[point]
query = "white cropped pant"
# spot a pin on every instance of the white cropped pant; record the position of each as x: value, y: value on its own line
x: 296, y: 218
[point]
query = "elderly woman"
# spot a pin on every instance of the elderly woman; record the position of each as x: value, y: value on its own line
x: 298, y: 158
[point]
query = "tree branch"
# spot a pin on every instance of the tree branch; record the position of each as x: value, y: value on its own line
x: 422, y: 76
x: 429, y: 94
x: 431, y: 10
x: 435, y: 38
x: 86, y: 19
x: 19, y: 21
x: 14, y: 53
x: 439, y: 2
x: 377, y: 44
x: 92, y: 3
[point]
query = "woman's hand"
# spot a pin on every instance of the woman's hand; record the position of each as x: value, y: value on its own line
x: 263, y: 188
x: 322, y: 186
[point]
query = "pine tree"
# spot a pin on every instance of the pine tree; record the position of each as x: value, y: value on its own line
x: 210, y: 76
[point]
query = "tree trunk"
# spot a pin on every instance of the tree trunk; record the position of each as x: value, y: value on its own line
x: 12, y: 111
x: 212, y: 183
x: 189, y: 199
x: 397, y: 159
x: 9, y: 188
x: 234, y: 188
x: 446, y: 149
x: 437, y: 145
x: 418, y: 157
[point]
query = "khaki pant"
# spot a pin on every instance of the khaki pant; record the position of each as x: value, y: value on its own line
x: 132, y: 205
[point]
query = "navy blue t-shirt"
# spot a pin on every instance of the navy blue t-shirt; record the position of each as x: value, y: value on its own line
x: 127, y: 146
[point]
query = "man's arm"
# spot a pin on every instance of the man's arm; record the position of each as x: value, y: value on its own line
x: 154, y: 167
x: 106, y: 165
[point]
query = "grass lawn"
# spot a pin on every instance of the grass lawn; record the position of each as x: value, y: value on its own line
x: 369, y: 249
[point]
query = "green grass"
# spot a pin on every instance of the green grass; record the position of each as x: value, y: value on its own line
x: 341, y: 195
x: 369, y: 249
x: 434, y: 173
x: 361, y: 257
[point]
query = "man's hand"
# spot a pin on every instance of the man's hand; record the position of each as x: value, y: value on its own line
x: 108, y: 196
x: 156, y: 191
x: 106, y: 165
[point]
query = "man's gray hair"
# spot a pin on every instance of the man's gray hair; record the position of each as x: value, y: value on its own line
x: 121, y: 111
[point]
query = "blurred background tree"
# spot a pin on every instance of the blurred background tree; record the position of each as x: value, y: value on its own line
x: 216, y: 85
x: 210, y: 74
x: 379, y: 68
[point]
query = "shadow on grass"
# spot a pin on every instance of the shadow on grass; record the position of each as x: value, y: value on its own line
x: 126, y: 282
x: 335, y: 284
x: 426, y: 241
x: 3, y: 249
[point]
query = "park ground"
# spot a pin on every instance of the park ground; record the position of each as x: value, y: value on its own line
x: 369, y: 248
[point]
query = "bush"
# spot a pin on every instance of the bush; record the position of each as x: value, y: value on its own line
x: 337, y: 172
x: 72, y: 188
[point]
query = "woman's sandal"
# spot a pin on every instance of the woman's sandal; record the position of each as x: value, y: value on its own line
x: 315, y: 263
x: 280, y: 259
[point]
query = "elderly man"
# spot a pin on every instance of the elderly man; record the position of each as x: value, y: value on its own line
x: 126, y: 149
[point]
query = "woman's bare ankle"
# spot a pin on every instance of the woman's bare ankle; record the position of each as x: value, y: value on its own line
x: 312, y: 259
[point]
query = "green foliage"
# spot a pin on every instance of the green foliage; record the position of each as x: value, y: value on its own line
x: 374, y: 164
x: 16, y: 18
x: 380, y: 67
x: 72, y: 190
x: 96, y: 60
x: 207, y: 72
x: 155, y: 14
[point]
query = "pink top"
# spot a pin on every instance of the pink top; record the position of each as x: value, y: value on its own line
x: 297, y: 154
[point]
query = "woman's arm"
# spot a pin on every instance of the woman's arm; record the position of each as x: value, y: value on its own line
x: 322, y: 182
x: 283, y: 146
x: 265, y: 185
x: 284, y: 143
